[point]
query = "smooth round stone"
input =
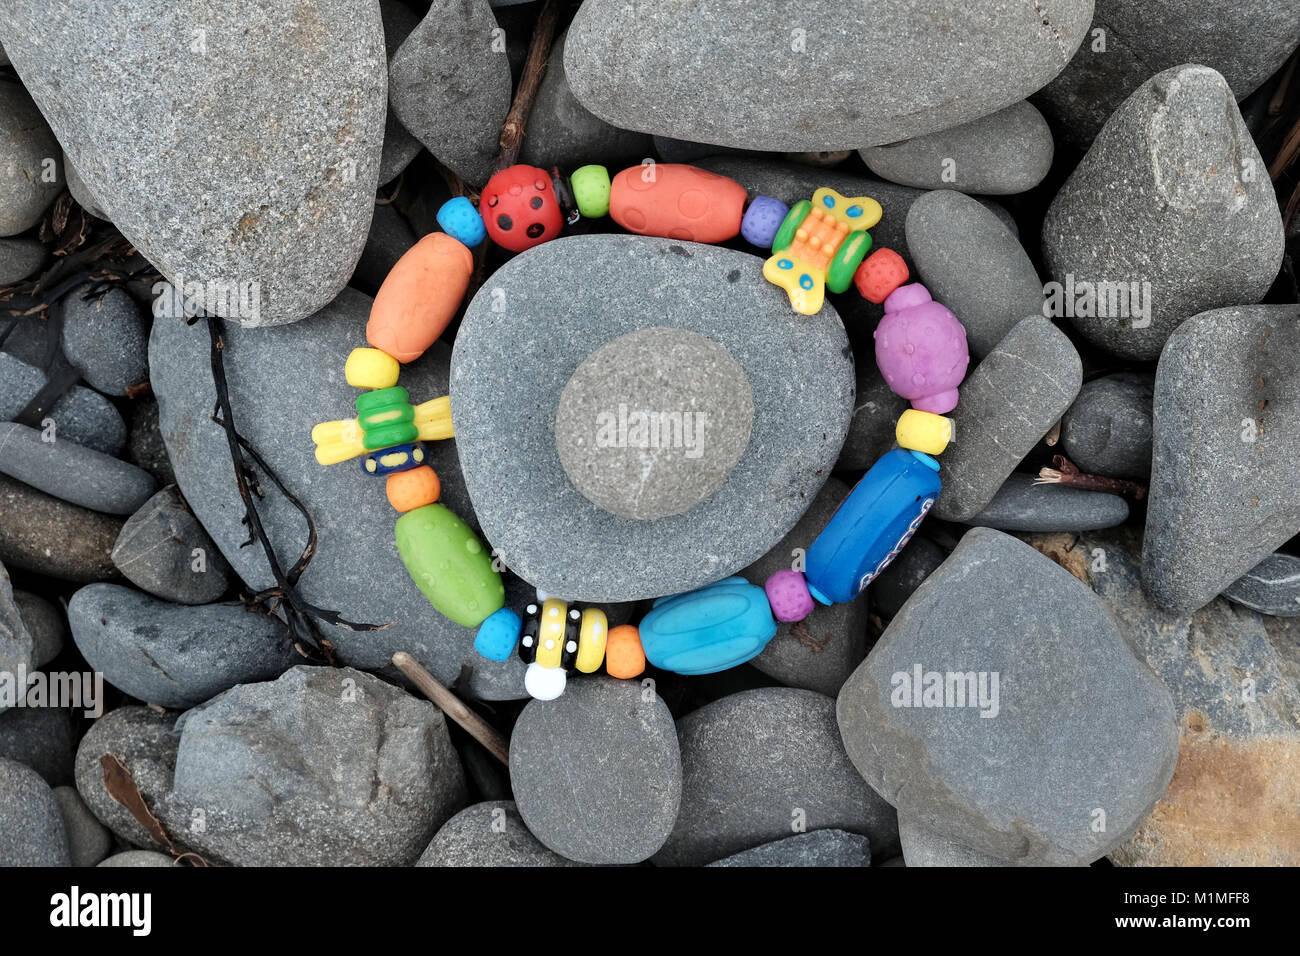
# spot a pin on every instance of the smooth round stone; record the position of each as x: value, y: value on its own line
x: 88, y: 840
x: 80, y: 192
x: 148, y: 858
x: 145, y: 446
x: 400, y: 147
x: 31, y: 825
x: 564, y: 133
x: 1009, y: 151
x: 289, y: 206
x: 653, y: 422
x: 974, y: 265
x: 31, y: 520
x: 164, y: 550
x: 488, y: 834
x: 922, y: 846
x: 1270, y: 587
x: 758, y: 765
x: 142, y: 739
x: 108, y: 339
x: 1022, y: 505
x: 1201, y: 225
x: 1077, y: 720
x: 44, y: 623
x: 16, y: 645
x: 20, y: 258
x: 29, y: 161
x: 43, y: 738
x: 818, y: 848
x: 543, y: 527
x: 173, y: 655
x: 821, y: 651
x: 597, y: 773
x: 916, y: 562
x: 1107, y: 429
x: 79, y: 475
x: 81, y: 415
x: 739, y: 74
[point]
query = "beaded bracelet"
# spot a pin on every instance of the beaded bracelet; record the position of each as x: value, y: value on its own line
x: 819, y: 244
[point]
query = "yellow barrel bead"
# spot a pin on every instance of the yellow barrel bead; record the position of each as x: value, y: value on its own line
x: 591, y: 640
x: 550, y: 633
x: 923, y: 431
x: 371, y: 368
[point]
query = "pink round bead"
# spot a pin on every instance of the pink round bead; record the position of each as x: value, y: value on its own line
x: 787, y: 592
x: 921, y: 349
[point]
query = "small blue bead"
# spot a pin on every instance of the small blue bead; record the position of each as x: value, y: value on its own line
x: 497, y: 636
x: 460, y: 220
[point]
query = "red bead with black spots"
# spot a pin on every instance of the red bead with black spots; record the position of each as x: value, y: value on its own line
x: 520, y: 208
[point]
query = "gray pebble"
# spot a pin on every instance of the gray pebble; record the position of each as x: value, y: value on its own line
x: 738, y: 78
x: 107, y: 339
x: 760, y: 764
x: 20, y: 258
x: 390, y: 237
x: 163, y: 550
x: 80, y: 192
x: 16, y: 647
x: 916, y: 562
x: 143, y: 740
x: 400, y: 147
x: 596, y: 772
x: 89, y: 841
x: 1077, y: 722
x: 1200, y: 225
x: 81, y: 415
x: 547, y: 532
x: 29, y: 161
x: 31, y: 523
x: 818, y: 848
x: 819, y: 652
x: 293, y: 105
x: 672, y: 150
x: 145, y: 446
x: 974, y: 265
x: 1007, y: 404
x: 688, y: 410
x: 1009, y: 151
x: 1270, y: 587
x: 923, y: 846
x: 45, y: 624
x: 42, y: 737
x: 562, y: 132
x: 875, y: 418
x: 138, y: 858
x: 449, y: 84
x: 174, y: 655
x: 72, y: 472
x: 1107, y: 429
x: 31, y: 827
x: 1021, y: 504
x: 1223, y: 494
x: 488, y: 834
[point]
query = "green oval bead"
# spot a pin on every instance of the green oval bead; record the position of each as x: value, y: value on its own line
x: 847, y: 259
x: 790, y: 224
x: 590, y: 185
x: 449, y: 564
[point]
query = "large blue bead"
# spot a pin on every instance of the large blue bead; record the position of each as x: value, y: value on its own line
x: 710, y: 629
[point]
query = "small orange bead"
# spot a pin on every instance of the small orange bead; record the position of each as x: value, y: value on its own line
x: 624, y: 656
x: 408, y: 490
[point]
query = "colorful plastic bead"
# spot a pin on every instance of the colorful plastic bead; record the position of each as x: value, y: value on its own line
x: 552, y: 632
x: 545, y: 683
x: 880, y: 274
x: 520, y: 208
x: 807, y: 246
x: 449, y: 564
x: 624, y: 655
x: 871, y: 526
x: 591, y: 640
x: 839, y: 274
x: 420, y: 296
x: 460, y: 220
x: 923, y: 431
x: 710, y: 629
x: 389, y: 461
x: 787, y: 593
x: 371, y: 368
x: 591, y: 187
x: 677, y: 202
x: 386, y: 418
x: 408, y: 490
x: 921, y: 349
x: 498, y: 634
x: 762, y: 220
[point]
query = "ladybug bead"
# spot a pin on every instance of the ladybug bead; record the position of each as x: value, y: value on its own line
x: 520, y: 209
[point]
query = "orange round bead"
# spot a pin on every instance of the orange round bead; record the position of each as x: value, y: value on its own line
x: 624, y: 656
x: 408, y: 490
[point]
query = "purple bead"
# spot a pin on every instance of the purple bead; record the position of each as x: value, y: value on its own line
x: 787, y: 592
x: 921, y: 349
x: 762, y: 219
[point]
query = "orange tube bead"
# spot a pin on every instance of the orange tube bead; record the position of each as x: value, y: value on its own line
x: 419, y: 297
x: 677, y: 202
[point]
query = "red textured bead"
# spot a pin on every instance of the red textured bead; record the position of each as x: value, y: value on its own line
x: 520, y: 208
x: 880, y: 274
